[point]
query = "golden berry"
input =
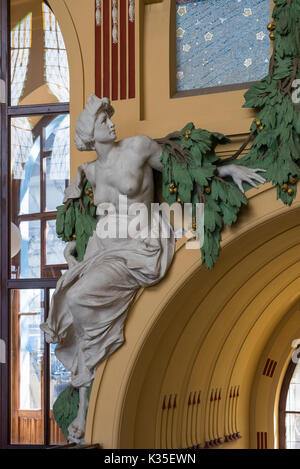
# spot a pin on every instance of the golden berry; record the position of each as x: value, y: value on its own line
x: 293, y: 180
x: 258, y: 122
x: 74, y: 236
x: 87, y: 192
x: 207, y: 190
x: 261, y: 127
x: 188, y: 132
x: 284, y: 187
x: 290, y: 191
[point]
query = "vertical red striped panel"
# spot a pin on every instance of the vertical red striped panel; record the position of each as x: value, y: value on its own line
x: 123, y: 50
x: 106, y: 48
x: 269, y: 368
x: 131, y: 58
x: 273, y: 369
x: 98, y: 87
x: 266, y: 441
x: 114, y: 66
x: 266, y: 366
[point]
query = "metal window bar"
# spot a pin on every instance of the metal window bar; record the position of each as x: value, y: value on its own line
x: 7, y: 284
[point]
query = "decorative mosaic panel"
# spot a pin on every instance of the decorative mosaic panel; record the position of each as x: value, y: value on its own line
x: 221, y: 42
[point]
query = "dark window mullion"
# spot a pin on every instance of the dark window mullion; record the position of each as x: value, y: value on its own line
x: 38, y: 109
x: 37, y: 216
x: 5, y: 241
x: 46, y: 396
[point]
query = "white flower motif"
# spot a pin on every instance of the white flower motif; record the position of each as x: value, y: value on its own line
x: 180, y: 75
x: 186, y: 47
x: 181, y: 11
x: 260, y: 36
x: 222, y: 20
x: 247, y: 62
x: 208, y: 36
x: 247, y: 12
x: 180, y: 32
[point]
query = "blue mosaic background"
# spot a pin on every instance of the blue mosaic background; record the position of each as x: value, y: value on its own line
x: 221, y: 42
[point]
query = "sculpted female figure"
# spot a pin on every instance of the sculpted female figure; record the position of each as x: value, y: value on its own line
x: 88, y: 308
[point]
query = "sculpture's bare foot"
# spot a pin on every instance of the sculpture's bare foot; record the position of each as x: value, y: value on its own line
x: 77, y: 428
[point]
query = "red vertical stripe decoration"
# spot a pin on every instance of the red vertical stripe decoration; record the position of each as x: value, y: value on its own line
x: 106, y: 48
x: 98, y: 90
x: 262, y: 440
x: 269, y: 368
x: 131, y: 49
x: 123, y: 50
x: 114, y: 50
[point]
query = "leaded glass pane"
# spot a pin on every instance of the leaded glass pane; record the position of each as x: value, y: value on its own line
x: 39, y: 62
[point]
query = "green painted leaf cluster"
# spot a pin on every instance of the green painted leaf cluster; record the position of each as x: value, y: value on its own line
x: 77, y: 220
x: 65, y: 407
x: 223, y: 202
x: 276, y: 148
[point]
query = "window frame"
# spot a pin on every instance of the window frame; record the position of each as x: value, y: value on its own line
x: 7, y: 284
x: 282, y: 403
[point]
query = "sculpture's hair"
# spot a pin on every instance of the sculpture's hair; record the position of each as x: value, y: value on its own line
x: 85, y: 125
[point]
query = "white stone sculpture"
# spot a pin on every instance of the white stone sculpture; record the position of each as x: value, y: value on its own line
x: 90, y: 303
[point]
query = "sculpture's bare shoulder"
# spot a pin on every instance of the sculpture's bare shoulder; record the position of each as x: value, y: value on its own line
x: 139, y: 143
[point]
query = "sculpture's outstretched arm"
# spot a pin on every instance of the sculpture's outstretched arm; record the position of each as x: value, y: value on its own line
x: 241, y: 174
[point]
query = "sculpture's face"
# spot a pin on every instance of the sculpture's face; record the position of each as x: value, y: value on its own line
x: 104, y: 131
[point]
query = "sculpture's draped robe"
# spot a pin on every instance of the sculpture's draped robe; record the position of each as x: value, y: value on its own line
x: 89, y: 305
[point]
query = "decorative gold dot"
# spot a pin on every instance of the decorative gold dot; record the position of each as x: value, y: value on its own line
x: 271, y: 26
x: 272, y: 36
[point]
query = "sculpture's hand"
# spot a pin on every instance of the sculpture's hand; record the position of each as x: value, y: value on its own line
x: 68, y: 253
x: 242, y: 174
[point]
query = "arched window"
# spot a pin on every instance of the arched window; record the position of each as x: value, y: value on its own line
x: 35, y: 167
x: 289, y: 408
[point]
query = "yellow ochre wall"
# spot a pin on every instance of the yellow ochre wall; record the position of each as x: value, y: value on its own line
x: 197, y: 330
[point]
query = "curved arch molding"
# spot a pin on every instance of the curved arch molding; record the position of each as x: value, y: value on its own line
x: 192, y: 369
